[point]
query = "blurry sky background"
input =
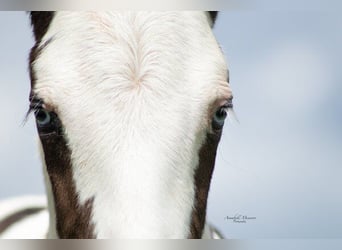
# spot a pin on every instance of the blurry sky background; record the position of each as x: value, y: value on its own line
x: 281, y: 163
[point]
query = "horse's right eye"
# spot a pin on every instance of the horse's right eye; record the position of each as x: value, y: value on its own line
x: 43, y: 117
x: 47, y: 122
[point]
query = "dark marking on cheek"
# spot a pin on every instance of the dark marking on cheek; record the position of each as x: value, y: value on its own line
x: 203, y: 176
x: 72, y: 219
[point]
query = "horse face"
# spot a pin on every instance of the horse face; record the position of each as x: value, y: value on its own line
x: 129, y: 108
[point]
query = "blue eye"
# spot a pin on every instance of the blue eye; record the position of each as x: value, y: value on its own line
x: 219, y: 118
x: 43, y: 117
x: 48, y: 123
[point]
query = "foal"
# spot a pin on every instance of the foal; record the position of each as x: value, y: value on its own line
x: 129, y: 108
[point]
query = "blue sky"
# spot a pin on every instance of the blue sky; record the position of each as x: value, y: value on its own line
x: 281, y: 163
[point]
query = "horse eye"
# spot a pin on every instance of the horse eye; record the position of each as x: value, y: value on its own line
x: 219, y: 118
x: 43, y: 117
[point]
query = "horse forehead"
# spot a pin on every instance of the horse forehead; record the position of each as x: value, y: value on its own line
x: 110, y: 55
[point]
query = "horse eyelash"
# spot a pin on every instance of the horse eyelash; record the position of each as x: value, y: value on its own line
x: 26, y: 117
x: 232, y: 115
x: 35, y: 104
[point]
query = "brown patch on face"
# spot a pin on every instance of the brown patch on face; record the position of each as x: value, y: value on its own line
x: 72, y: 219
x: 18, y: 216
x: 203, y: 176
x: 40, y: 21
x: 213, y: 16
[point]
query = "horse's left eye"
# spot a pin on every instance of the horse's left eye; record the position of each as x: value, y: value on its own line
x: 221, y: 114
x: 219, y: 118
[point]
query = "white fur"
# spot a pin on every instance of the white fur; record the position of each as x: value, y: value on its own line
x: 30, y: 227
x: 210, y: 233
x: 12, y: 205
x: 52, y: 231
x: 133, y: 91
x: 36, y: 226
